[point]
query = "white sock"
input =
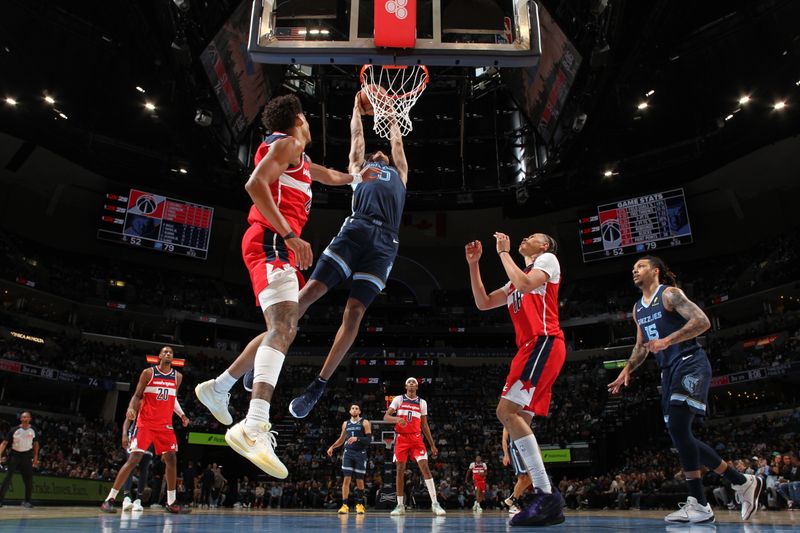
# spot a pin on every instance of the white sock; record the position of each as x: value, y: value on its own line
x: 400, y: 500
x: 112, y: 494
x: 532, y: 457
x: 257, y: 414
x: 431, y: 489
x: 267, y: 366
x: 224, y: 382
x: 171, y: 497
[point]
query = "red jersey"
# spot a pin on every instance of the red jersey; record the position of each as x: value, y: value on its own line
x: 478, y: 470
x: 412, y: 410
x: 535, y: 313
x: 158, y: 402
x: 291, y: 191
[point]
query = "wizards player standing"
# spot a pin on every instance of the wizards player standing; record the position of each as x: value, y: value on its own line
x: 667, y: 324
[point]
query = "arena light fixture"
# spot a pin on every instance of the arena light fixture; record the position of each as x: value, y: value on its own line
x: 62, y: 115
x: 777, y: 106
x: 642, y: 105
x: 608, y: 173
x: 10, y: 101
x: 729, y: 117
x: 140, y: 89
x: 183, y: 170
x: 149, y: 106
x: 744, y: 99
x: 49, y: 99
x: 650, y: 93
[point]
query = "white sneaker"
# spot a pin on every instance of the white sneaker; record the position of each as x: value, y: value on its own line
x: 691, y: 512
x: 513, y: 509
x: 479, y: 509
x: 437, y: 509
x: 127, y: 503
x: 398, y: 510
x: 137, y: 505
x: 216, y: 402
x: 748, y: 494
x: 259, y: 449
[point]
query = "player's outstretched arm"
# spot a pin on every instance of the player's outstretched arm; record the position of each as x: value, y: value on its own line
x: 398, y: 151
x: 281, y: 154
x: 138, y: 394
x: 357, y: 144
x: 328, y: 176
x: 522, y: 282
x: 696, y: 320
x: 483, y: 301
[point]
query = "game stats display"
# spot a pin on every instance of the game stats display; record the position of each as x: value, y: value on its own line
x: 157, y: 222
x: 637, y: 225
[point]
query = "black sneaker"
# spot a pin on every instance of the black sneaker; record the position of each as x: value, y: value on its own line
x: 108, y: 506
x: 177, y: 509
x: 543, y: 510
x: 303, y: 404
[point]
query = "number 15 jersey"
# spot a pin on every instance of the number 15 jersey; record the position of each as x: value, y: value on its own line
x: 158, y: 400
x: 412, y: 410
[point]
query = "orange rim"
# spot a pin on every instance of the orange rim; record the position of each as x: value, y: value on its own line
x: 416, y: 90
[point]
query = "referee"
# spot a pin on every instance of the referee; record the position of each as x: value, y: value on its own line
x: 24, y: 456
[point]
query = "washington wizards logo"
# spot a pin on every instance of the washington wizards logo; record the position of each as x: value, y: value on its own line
x: 690, y: 383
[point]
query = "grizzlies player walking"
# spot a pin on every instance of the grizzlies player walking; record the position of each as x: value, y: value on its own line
x: 364, y: 249
x: 667, y: 324
x: 356, y: 437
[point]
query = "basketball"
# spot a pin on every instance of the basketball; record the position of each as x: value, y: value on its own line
x: 363, y: 100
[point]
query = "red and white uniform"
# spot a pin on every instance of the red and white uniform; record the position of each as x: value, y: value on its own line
x: 263, y: 250
x: 408, y: 442
x: 540, y: 341
x: 154, y: 423
x: 479, y: 475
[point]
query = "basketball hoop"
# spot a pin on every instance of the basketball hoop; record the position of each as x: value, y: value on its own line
x: 393, y: 90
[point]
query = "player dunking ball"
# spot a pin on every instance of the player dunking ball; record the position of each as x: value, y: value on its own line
x: 280, y: 188
x: 409, y: 413
x: 667, y: 324
x: 478, y: 469
x: 531, y: 296
x: 355, y: 436
x: 155, y: 399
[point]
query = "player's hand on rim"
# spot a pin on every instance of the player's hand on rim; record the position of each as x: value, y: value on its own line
x: 302, y: 252
x: 503, y: 242
x: 622, y: 380
x: 473, y: 251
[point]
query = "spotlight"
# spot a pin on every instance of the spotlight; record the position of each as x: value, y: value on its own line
x: 729, y: 117
x: 777, y: 106
x: 138, y: 88
x: 149, y: 106
x: 183, y: 170
x: 744, y: 99
x: 62, y: 115
x: 642, y: 105
x: 203, y: 118
x: 650, y: 93
x: 49, y: 99
x: 608, y: 173
x: 10, y: 101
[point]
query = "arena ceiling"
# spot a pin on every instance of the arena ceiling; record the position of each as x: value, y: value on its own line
x: 698, y: 58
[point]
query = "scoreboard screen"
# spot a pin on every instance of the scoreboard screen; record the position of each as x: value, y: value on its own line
x: 156, y: 222
x: 636, y: 225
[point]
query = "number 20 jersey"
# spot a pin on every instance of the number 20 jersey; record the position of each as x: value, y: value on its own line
x: 158, y: 401
x: 412, y: 410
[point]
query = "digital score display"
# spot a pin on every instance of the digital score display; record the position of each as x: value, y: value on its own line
x: 637, y: 225
x: 157, y: 222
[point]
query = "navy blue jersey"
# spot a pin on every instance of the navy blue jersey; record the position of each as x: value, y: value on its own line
x: 656, y: 323
x: 354, y: 429
x: 381, y: 199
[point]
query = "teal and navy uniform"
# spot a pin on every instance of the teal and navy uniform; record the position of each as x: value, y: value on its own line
x: 366, y: 245
x: 354, y: 458
x: 685, y: 369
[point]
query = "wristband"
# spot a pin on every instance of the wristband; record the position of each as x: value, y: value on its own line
x: 503, y: 252
x: 289, y: 235
x: 356, y: 178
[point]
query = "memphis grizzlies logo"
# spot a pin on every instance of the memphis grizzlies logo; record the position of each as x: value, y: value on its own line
x: 690, y: 383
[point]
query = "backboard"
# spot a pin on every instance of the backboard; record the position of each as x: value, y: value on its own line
x: 466, y: 33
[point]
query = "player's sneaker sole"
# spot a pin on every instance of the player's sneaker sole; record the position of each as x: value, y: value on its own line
x: 211, y: 399
x: 266, y: 460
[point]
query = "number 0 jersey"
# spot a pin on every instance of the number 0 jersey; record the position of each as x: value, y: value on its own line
x: 478, y: 470
x: 158, y: 400
x: 412, y: 410
x: 657, y: 322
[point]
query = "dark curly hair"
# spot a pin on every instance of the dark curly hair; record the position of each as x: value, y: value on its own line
x: 665, y: 275
x: 280, y: 113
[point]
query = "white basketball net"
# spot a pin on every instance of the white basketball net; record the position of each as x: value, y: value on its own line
x: 393, y: 91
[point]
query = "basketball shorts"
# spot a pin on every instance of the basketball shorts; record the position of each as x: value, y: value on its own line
x: 480, y: 483
x: 534, y: 369
x: 409, y: 446
x: 162, y: 439
x: 687, y: 381
x: 354, y: 464
x: 362, y: 250
x: 271, y: 265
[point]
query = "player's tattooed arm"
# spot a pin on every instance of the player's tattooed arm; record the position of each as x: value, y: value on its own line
x: 357, y: 145
x: 696, y: 320
x: 639, y: 352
